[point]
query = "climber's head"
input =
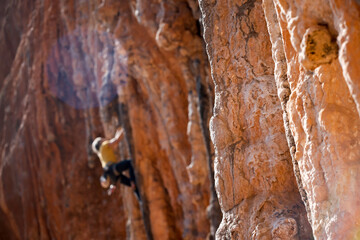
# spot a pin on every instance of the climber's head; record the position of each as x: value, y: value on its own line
x: 96, y: 144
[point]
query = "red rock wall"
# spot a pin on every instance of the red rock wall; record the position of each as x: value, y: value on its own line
x: 253, y: 170
x: 47, y: 190
x: 318, y: 63
x: 315, y: 78
x: 279, y: 79
x: 74, y: 70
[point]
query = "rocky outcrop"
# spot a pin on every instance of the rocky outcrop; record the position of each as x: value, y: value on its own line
x: 75, y: 70
x: 170, y: 150
x: 317, y: 66
x: 47, y: 190
x: 277, y: 78
x: 315, y: 76
x: 253, y: 171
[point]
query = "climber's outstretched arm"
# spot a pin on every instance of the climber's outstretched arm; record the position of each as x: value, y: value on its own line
x: 119, y: 135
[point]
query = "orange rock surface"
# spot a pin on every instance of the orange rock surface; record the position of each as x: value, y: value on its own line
x: 241, y: 118
x: 75, y: 70
x: 319, y: 62
x: 253, y: 169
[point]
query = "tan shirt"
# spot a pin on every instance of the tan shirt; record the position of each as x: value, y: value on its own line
x: 107, y: 155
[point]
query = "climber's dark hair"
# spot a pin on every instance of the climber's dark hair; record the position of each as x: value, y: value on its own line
x: 96, y: 144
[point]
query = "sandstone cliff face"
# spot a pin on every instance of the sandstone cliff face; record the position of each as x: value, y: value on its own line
x: 317, y: 64
x: 47, y: 190
x: 316, y: 82
x: 253, y: 170
x: 75, y: 70
x: 279, y: 78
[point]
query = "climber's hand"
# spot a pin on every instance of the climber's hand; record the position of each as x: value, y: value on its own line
x: 119, y: 132
x: 119, y: 135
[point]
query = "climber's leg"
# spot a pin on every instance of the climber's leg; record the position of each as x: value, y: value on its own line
x: 125, y: 180
x: 109, y: 173
x: 123, y: 166
x: 131, y: 172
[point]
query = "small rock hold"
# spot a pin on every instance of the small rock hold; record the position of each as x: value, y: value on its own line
x: 283, y: 93
x: 50, y: 137
x: 91, y: 164
x: 292, y: 150
x: 167, y: 37
x: 285, y: 229
x: 317, y: 47
x: 7, y: 109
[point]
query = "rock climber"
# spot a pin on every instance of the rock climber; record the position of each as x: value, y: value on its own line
x: 113, y: 170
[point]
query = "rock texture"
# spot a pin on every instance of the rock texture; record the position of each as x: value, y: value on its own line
x: 74, y: 70
x: 316, y: 84
x: 316, y: 73
x: 278, y: 77
x: 47, y: 190
x: 253, y: 171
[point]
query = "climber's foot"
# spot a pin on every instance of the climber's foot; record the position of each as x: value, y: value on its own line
x: 111, y: 190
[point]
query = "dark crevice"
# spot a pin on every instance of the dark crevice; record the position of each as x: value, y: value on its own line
x: 283, y: 85
x: 124, y: 121
x: 199, y: 28
x: 247, y: 6
x: 214, y: 213
x: 292, y: 147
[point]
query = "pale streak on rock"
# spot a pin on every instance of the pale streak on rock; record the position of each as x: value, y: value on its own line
x: 283, y: 88
x: 322, y: 112
x: 347, y: 23
x: 253, y: 170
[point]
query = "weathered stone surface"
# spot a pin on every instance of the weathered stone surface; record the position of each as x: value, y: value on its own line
x: 253, y: 172
x: 317, y: 47
x: 284, y: 127
x: 321, y: 108
x: 47, y: 191
x: 74, y: 70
